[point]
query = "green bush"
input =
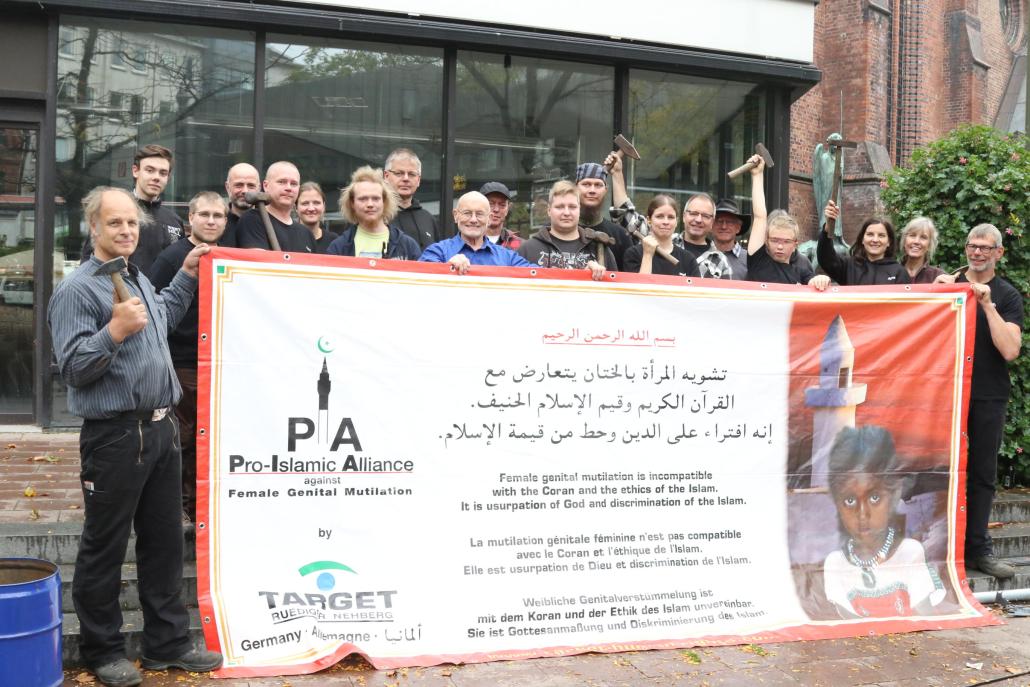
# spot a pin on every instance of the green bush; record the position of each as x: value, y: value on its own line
x: 976, y: 174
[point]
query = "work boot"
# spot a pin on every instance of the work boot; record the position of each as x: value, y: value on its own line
x: 993, y: 567
x: 193, y: 660
x: 118, y: 673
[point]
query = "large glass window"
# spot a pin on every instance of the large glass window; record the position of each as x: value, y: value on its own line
x: 690, y: 132
x: 19, y: 158
x: 333, y: 106
x: 123, y: 84
x: 527, y: 122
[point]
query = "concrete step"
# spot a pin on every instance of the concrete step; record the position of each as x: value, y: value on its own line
x: 128, y: 597
x: 1012, y: 506
x: 132, y: 628
x: 979, y: 582
x: 1012, y: 540
x: 59, y: 542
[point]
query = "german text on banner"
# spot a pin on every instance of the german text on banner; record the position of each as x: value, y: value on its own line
x: 424, y: 467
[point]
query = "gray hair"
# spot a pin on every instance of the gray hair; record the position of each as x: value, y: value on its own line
x: 986, y: 231
x: 403, y: 154
x: 94, y: 199
x: 703, y: 196
x: 918, y: 224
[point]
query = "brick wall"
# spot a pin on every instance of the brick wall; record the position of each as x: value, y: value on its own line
x: 910, y: 71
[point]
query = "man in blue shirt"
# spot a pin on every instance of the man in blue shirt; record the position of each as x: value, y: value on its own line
x: 470, y: 246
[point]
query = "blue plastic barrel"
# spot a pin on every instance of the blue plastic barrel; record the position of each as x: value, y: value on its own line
x: 30, y: 623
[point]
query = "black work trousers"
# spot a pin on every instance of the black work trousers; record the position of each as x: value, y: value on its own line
x: 130, y: 479
x: 985, y: 427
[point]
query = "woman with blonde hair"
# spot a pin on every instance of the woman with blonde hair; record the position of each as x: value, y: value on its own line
x: 918, y: 244
x: 370, y: 205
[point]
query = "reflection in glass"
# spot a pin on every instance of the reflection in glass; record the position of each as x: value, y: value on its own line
x: 18, y: 164
x: 690, y: 131
x: 333, y: 106
x: 527, y: 122
x: 123, y: 84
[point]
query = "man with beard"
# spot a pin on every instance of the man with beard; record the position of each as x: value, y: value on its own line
x: 591, y: 179
x: 241, y: 180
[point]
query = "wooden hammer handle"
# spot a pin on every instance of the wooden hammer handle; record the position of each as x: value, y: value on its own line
x: 661, y: 251
x: 273, y: 241
x: 746, y: 167
x: 121, y: 291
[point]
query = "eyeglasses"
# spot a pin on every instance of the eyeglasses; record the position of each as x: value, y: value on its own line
x: 404, y: 175
x: 979, y: 248
x: 469, y: 214
x: 694, y: 214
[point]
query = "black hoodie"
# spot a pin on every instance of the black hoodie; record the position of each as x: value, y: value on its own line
x: 851, y: 271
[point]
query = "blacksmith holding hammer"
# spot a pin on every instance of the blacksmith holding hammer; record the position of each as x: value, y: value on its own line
x: 112, y: 351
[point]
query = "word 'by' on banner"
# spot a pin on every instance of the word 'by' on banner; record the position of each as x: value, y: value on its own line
x: 425, y: 468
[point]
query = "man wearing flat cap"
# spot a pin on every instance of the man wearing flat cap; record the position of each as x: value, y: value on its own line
x: 591, y: 179
x: 729, y: 224
x: 500, y: 204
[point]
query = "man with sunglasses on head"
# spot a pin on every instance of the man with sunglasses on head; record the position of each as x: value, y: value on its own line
x: 999, y: 325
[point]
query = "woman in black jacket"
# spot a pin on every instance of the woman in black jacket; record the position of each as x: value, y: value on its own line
x: 871, y: 262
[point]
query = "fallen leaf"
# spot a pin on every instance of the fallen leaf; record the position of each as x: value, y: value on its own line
x: 84, y: 678
x: 754, y: 649
x: 691, y: 657
x: 1012, y: 671
x: 444, y: 673
x: 392, y: 673
x: 16, y: 446
x: 34, y: 514
x: 74, y: 506
x: 29, y: 492
x: 913, y: 652
x: 995, y: 525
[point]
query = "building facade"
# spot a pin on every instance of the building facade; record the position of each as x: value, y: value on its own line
x: 492, y: 94
x: 898, y: 74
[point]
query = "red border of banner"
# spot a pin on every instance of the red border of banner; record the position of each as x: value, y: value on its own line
x: 792, y: 633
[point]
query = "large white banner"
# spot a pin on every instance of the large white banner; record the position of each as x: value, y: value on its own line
x: 425, y: 468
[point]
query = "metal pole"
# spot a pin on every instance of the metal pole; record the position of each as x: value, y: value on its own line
x: 1002, y: 595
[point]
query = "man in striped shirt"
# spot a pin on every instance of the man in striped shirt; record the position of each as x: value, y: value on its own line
x: 113, y: 355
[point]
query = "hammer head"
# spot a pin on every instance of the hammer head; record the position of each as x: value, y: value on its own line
x: 760, y: 149
x: 255, y: 197
x: 114, y: 266
x: 627, y: 148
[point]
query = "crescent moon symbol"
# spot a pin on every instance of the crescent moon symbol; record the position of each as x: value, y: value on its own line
x: 323, y: 345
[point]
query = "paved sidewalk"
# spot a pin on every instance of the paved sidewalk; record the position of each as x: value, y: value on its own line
x: 47, y: 466
x: 949, y: 658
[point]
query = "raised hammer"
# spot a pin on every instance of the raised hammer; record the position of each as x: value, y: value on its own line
x: 748, y: 166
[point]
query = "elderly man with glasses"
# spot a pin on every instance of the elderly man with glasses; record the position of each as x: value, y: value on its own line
x: 999, y: 325
x: 470, y: 246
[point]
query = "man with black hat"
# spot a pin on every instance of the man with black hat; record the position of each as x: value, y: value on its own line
x: 591, y: 180
x: 500, y: 204
x: 728, y: 225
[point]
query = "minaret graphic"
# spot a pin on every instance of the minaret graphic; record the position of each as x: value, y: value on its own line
x: 835, y: 399
x: 323, y: 403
